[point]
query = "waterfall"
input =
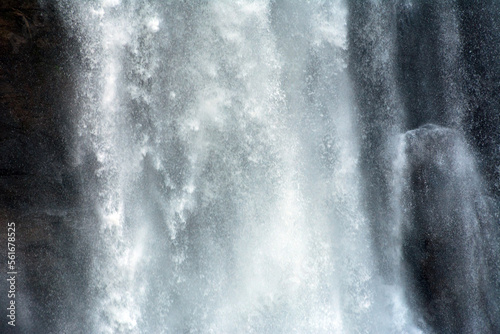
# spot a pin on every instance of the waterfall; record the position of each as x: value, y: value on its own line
x: 277, y: 166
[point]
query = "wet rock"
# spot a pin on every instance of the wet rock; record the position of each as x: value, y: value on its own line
x: 39, y: 189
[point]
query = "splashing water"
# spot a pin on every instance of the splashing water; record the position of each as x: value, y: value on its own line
x: 226, y: 150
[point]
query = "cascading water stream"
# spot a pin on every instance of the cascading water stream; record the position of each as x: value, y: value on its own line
x: 254, y: 173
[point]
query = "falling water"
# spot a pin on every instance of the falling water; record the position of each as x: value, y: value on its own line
x: 260, y: 167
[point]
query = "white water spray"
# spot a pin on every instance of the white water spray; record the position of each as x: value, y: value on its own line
x: 227, y: 171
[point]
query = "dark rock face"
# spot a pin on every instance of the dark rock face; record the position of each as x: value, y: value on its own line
x: 33, y: 83
x: 451, y: 245
x: 480, y: 28
x: 39, y: 189
x: 415, y: 63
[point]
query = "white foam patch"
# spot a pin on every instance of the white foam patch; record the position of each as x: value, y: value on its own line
x: 110, y: 3
x: 154, y: 24
x: 331, y: 27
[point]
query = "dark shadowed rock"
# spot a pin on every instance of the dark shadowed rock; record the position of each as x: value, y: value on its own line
x: 451, y: 241
x: 39, y: 190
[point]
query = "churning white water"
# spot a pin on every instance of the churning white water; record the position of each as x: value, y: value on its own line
x: 227, y: 179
